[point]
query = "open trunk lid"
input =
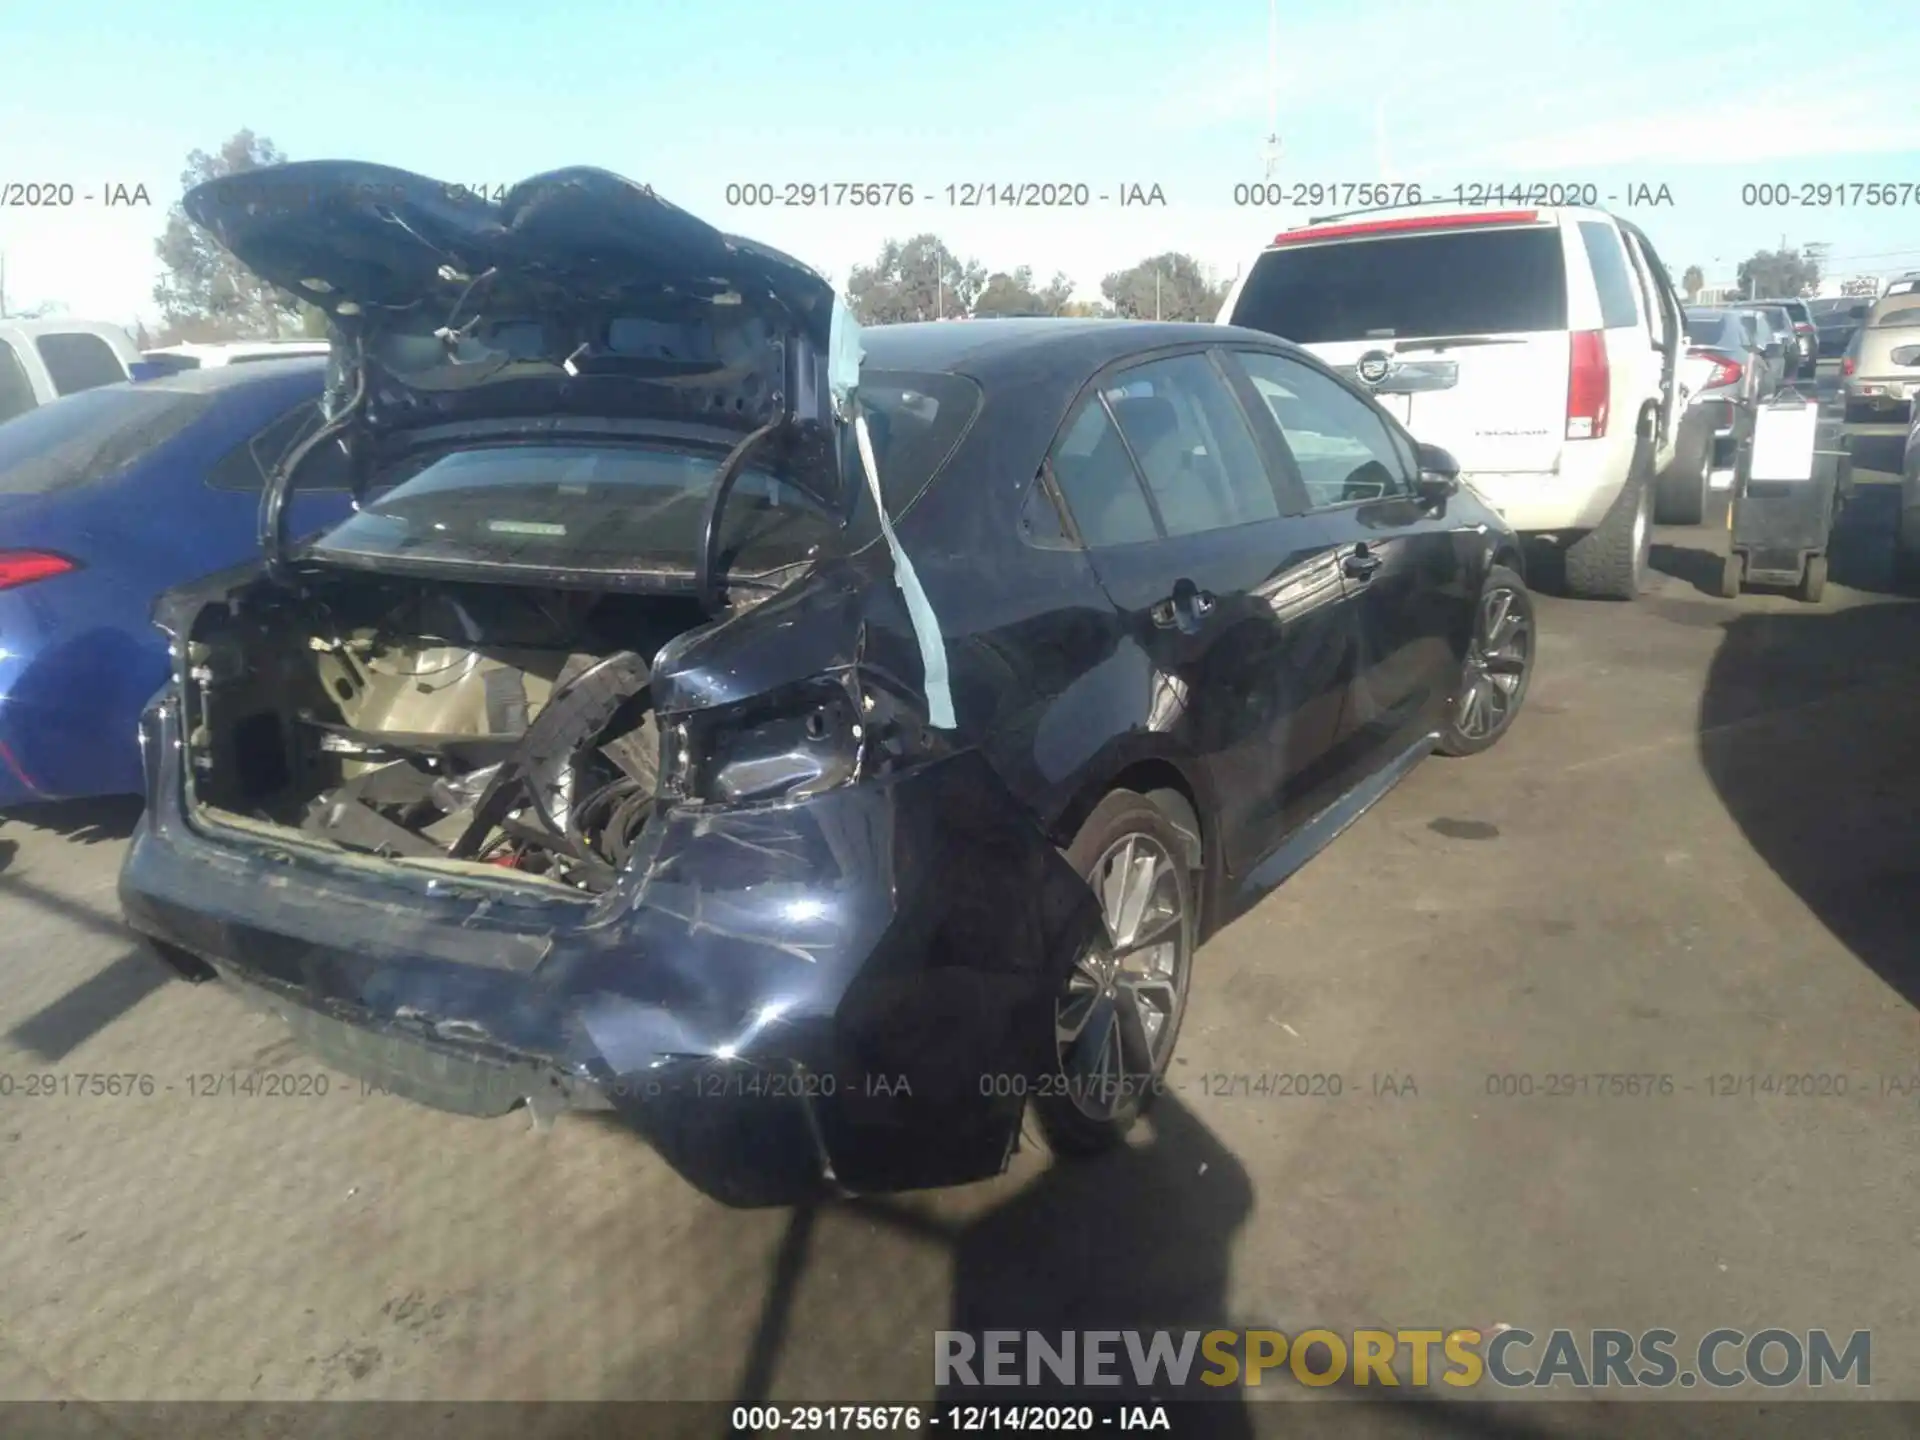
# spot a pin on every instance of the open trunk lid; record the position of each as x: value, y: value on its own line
x: 576, y: 297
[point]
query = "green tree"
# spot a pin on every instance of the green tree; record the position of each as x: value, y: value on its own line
x: 1693, y: 282
x: 204, y: 293
x: 1086, y: 310
x: 915, y: 279
x: 1165, y: 287
x: 1779, y: 274
x: 1015, y: 294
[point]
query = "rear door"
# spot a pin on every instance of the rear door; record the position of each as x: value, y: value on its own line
x: 1663, y: 320
x: 1235, y: 605
x: 1460, y: 326
x: 1409, y: 587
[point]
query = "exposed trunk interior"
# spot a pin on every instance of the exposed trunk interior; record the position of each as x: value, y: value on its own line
x: 437, y: 723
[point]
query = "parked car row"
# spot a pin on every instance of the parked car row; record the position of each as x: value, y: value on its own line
x: 1880, y: 369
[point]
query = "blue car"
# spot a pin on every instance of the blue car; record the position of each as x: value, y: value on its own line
x: 108, y: 497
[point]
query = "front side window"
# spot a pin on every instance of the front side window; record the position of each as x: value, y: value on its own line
x: 1343, y: 449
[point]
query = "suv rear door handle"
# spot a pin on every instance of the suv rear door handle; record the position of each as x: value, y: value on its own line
x: 1360, y: 563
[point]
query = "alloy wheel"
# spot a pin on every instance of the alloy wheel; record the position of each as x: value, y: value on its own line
x: 1497, y: 660
x: 1115, y: 1023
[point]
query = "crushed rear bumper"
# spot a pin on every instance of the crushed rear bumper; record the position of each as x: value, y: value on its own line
x: 827, y: 991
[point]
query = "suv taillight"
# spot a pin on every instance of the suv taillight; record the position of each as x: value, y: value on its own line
x: 1589, y: 383
x: 23, y: 567
x: 1726, y: 371
x: 1846, y: 365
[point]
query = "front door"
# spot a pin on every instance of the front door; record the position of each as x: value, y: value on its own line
x: 1410, y: 584
x: 1236, y: 606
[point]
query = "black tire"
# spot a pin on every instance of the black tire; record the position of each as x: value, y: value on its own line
x: 182, y: 964
x: 1906, y: 556
x: 1682, y: 495
x: 1057, y: 1102
x: 1732, y: 573
x: 1461, y: 737
x: 1610, y: 562
x: 1813, y: 580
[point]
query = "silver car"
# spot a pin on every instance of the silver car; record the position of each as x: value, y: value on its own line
x: 1777, y: 340
x: 1724, y: 374
x: 1880, y: 372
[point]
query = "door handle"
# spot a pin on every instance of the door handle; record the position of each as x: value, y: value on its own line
x: 1184, y: 608
x: 1360, y: 564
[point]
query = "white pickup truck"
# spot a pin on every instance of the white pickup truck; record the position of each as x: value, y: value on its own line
x: 41, y: 360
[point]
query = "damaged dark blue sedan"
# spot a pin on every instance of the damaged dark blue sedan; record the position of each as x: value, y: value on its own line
x: 814, y: 746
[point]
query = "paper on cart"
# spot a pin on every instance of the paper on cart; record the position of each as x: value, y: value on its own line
x: 1783, y: 440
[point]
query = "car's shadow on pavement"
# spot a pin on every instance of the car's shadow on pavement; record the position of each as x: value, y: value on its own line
x: 1140, y: 1238
x: 110, y: 817
x: 1807, y: 730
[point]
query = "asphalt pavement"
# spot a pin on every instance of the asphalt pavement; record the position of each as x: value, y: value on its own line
x: 1697, y: 856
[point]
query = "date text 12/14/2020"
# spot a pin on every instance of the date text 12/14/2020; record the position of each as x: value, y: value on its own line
x: 963, y: 195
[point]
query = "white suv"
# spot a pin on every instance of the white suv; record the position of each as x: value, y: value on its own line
x: 42, y: 360
x: 1540, y: 347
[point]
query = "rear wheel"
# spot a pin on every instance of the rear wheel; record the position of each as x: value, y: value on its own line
x: 1684, y: 488
x: 1610, y: 563
x: 1498, y: 665
x: 1813, y: 580
x: 1117, y: 1017
x: 1733, y: 571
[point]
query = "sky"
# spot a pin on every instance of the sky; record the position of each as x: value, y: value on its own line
x: 1709, y: 101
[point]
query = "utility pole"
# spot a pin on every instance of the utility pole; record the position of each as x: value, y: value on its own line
x: 1273, y: 88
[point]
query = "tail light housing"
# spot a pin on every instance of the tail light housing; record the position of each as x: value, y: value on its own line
x: 1727, y: 370
x: 23, y: 567
x: 1589, y: 385
x: 1846, y: 365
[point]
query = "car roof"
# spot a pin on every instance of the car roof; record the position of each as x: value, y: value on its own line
x: 284, y: 369
x: 984, y: 349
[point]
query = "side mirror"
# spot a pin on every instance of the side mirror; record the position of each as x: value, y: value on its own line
x: 1439, y: 474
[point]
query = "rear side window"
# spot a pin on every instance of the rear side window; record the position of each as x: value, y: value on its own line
x: 1610, y: 275
x: 1900, y: 319
x: 77, y: 362
x: 89, y: 437
x: 1097, y: 480
x: 16, y: 390
x: 247, y: 465
x: 1191, y: 441
x: 1458, y: 282
x: 914, y: 421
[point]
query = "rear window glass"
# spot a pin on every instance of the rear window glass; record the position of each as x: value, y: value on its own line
x: 1706, y: 329
x: 1465, y: 282
x: 247, y: 465
x: 89, y: 436
x: 1899, y: 319
x: 77, y: 362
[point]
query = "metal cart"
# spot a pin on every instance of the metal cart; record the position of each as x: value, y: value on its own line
x: 1792, y: 476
